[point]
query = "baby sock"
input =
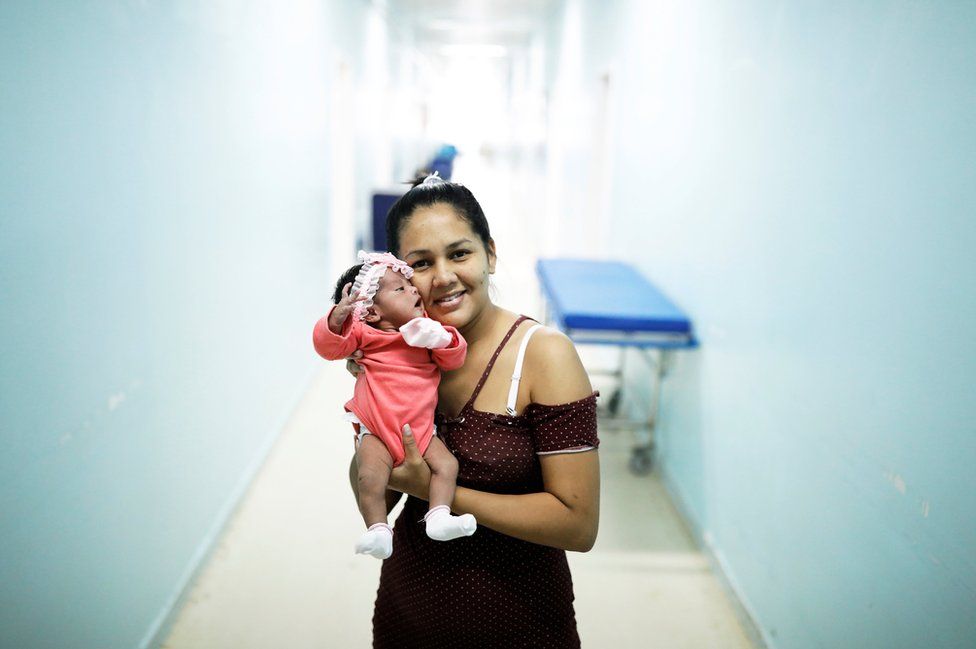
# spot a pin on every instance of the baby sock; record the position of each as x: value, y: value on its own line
x: 377, y: 541
x: 442, y: 526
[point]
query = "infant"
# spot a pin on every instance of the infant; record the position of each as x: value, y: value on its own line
x: 379, y: 312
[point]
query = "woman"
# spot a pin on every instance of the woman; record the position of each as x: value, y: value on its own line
x: 526, y: 447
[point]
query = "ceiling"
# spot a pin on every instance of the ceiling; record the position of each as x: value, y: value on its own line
x: 506, y: 23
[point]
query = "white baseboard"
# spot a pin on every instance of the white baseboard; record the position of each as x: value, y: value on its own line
x: 160, y: 628
x: 720, y: 568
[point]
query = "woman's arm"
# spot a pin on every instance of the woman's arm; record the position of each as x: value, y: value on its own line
x: 566, y: 514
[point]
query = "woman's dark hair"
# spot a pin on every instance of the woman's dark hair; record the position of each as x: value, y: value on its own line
x: 347, y: 277
x: 456, y: 195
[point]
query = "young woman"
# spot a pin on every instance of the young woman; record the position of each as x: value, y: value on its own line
x: 520, y: 417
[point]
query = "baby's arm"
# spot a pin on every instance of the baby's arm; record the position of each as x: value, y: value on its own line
x: 341, y: 311
x: 337, y: 334
x: 446, y: 345
x: 451, y: 357
x: 333, y: 346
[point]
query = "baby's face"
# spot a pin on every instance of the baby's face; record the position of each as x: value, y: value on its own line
x: 396, y: 301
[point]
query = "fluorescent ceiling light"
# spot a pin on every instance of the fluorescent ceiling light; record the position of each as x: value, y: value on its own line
x: 474, y: 50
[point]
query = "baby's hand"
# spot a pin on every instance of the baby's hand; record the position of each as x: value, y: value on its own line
x: 343, y: 309
x: 424, y: 332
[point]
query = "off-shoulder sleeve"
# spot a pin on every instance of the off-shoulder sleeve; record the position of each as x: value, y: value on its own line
x: 564, y: 428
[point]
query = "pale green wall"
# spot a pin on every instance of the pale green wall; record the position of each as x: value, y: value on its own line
x: 799, y: 176
x: 164, y: 210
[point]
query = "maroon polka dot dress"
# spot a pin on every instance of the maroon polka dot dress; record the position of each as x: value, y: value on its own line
x: 487, y: 590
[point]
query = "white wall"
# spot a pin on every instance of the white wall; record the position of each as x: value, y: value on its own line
x: 165, y: 181
x: 798, y: 176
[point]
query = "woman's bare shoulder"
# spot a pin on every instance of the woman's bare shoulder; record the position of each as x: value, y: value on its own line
x: 554, y: 370
x: 507, y: 318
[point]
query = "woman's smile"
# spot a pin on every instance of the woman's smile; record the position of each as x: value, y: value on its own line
x: 450, y: 301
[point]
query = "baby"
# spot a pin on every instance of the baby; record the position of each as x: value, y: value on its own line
x: 403, y: 355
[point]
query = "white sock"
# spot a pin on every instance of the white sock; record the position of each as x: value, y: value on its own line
x: 442, y: 526
x: 377, y: 541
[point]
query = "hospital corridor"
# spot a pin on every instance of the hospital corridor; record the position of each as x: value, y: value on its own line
x: 751, y: 222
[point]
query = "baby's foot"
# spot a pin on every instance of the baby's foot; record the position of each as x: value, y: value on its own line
x: 377, y: 541
x: 442, y: 526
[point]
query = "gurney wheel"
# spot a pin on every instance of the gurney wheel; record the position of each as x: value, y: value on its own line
x: 641, y: 461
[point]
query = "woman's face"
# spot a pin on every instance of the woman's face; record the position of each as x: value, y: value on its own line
x: 450, y: 264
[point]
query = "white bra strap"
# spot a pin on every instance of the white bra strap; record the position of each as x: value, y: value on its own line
x: 517, y: 376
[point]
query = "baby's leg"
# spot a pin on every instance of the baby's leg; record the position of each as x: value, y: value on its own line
x: 444, y: 469
x: 441, y: 525
x: 374, y: 464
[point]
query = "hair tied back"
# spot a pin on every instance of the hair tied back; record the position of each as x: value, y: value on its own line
x: 433, y: 180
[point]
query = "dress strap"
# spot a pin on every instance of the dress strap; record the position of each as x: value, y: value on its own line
x: 517, y: 374
x: 491, y: 363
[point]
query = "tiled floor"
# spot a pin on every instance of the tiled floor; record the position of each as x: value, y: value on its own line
x: 284, y: 574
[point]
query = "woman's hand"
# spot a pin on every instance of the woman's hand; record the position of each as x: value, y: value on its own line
x: 352, y: 363
x: 413, y: 476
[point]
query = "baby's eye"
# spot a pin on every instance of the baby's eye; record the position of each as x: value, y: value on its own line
x: 399, y: 288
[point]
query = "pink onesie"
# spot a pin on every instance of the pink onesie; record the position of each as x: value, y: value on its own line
x: 399, y: 383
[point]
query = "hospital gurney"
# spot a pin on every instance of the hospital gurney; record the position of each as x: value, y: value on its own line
x: 610, y: 303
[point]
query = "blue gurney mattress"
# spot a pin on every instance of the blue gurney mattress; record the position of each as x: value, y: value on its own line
x: 609, y: 302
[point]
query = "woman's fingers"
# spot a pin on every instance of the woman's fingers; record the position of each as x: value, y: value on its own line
x: 410, y: 452
x: 352, y: 363
x: 413, y: 475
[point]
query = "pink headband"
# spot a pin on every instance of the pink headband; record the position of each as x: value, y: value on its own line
x: 368, y: 280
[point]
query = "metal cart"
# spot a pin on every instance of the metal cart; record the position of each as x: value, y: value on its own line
x: 611, y: 303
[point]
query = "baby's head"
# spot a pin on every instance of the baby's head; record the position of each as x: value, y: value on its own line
x: 391, y: 300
